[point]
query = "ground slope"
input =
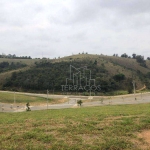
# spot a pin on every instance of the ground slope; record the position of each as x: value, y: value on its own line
x: 107, y: 67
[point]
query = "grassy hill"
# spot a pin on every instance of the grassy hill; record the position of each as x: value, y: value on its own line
x: 7, y: 74
x: 116, y: 65
x: 52, y: 73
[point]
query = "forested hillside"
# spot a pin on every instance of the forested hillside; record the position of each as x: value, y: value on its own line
x: 5, y: 66
x: 110, y: 72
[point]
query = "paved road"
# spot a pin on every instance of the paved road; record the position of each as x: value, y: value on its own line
x: 87, y: 101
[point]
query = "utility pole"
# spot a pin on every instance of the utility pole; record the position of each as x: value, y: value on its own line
x: 134, y: 88
x: 90, y: 91
x: 14, y: 98
x: 47, y: 98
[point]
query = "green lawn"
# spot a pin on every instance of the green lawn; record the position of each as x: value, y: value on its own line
x: 92, y: 128
x: 20, y: 98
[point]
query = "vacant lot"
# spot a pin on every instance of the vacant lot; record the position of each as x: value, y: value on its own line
x: 6, y: 97
x: 23, y: 98
x: 106, y: 127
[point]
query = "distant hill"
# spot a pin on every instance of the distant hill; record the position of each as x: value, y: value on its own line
x: 111, y: 72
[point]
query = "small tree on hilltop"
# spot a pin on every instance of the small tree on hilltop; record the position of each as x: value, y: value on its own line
x: 124, y: 55
x: 134, y: 56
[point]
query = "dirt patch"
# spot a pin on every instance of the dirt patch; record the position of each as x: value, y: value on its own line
x: 62, y: 100
x: 89, y: 139
x: 59, y: 101
x: 145, y: 135
x: 144, y: 140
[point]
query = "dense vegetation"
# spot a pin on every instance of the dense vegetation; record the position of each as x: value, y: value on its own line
x: 112, y: 73
x: 5, y: 66
x: 10, y: 56
x: 47, y: 75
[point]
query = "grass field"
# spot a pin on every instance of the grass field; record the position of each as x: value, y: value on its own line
x: 93, y: 128
x: 19, y: 98
x: 6, y: 97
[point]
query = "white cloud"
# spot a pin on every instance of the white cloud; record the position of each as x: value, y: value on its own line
x: 58, y: 28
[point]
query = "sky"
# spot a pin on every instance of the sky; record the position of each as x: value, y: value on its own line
x: 57, y: 28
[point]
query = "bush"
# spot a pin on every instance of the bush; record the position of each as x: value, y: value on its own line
x: 130, y: 90
x: 79, y: 102
x: 28, y: 108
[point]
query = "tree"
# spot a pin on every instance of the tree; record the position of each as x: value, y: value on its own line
x: 133, y: 56
x: 119, y: 77
x: 14, y: 56
x: 116, y: 55
x: 148, y: 75
x: 130, y: 89
x: 28, y: 108
x: 139, y: 58
x: 95, y: 62
x: 79, y: 102
x: 141, y: 61
x: 124, y: 55
x: 129, y: 86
